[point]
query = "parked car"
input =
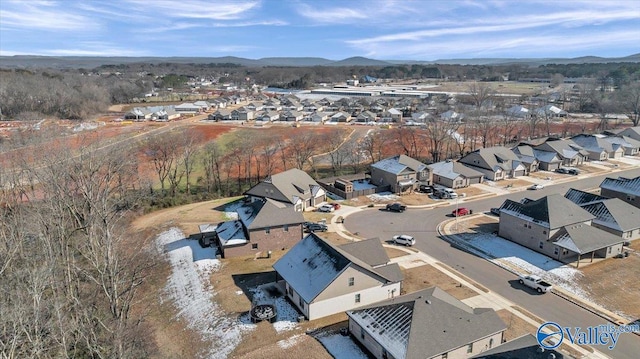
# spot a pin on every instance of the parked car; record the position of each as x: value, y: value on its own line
x: 536, y: 187
x: 405, y: 239
x: 562, y: 170
x: 396, y: 207
x: 316, y: 227
x: 326, y: 208
x: 573, y: 171
x: 462, y: 211
x: 335, y: 205
x: 495, y: 211
x: 535, y: 282
x: 425, y: 188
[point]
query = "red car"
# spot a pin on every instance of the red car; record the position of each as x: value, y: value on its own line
x: 335, y: 205
x: 462, y: 211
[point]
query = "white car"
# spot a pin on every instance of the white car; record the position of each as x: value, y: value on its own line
x: 326, y: 208
x: 536, y: 187
x: 405, y: 239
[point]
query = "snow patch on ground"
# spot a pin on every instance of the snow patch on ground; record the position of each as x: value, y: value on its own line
x: 288, y: 343
x: 340, y: 346
x: 383, y: 196
x: 527, y: 261
x: 190, y: 290
x: 287, y: 315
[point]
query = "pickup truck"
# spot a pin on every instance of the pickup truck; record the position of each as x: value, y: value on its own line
x: 535, y: 282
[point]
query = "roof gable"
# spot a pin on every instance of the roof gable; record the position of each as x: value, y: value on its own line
x: 622, y: 185
x: 553, y: 211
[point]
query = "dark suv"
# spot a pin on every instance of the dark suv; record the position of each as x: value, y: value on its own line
x: 316, y: 227
x: 396, y: 207
x: 425, y: 188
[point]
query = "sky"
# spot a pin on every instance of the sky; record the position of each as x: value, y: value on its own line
x: 333, y: 29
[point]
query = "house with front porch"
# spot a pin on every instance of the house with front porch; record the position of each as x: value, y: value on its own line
x: 428, y: 324
x: 495, y: 163
x: 568, y: 151
x: 293, y: 186
x: 401, y: 173
x: 322, y: 279
x: 556, y: 227
x: 598, y: 148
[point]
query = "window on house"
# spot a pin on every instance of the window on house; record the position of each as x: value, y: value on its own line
x: 254, y: 245
x: 290, y: 291
x: 267, y: 230
x: 286, y: 228
x: 609, y: 250
x: 490, y: 343
x: 565, y: 251
x: 361, y: 333
x: 544, y: 232
x: 357, y: 298
x: 470, y: 348
x: 541, y: 245
x: 556, y: 250
x: 351, y: 281
x: 525, y: 225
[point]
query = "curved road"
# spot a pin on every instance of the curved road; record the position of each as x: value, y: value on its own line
x: 422, y: 224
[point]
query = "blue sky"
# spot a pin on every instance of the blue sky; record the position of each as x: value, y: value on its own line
x: 333, y: 29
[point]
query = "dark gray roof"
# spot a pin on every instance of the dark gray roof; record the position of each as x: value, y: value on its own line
x: 370, y: 251
x: 633, y: 132
x: 452, y: 169
x: 286, y: 186
x: 313, y: 263
x: 615, y: 214
x: 623, y: 141
x: 399, y: 164
x: 581, y: 198
x: 593, y: 143
x: 553, y: 210
x: 582, y: 238
x: 426, y: 323
x: 491, y: 158
x: 622, y: 185
x: 524, y: 347
x: 564, y: 148
x: 269, y: 213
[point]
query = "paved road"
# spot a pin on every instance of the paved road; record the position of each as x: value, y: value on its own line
x: 422, y: 224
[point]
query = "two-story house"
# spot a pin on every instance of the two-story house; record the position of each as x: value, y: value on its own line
x: 496, y: 163
x: 402, y: 173
x: 322, y: 279
x: 293, y: 186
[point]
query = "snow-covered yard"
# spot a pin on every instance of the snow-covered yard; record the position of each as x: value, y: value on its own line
x: 524, y: 261
x: 191, y: 292
x: 383, y: 196
x: 341, y: 347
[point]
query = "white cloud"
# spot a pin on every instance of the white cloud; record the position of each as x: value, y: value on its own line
x: 94, y: 48
x: 251, y: 23
x: 197, y: 9
x: 331, y: 15
x: 43, y: 15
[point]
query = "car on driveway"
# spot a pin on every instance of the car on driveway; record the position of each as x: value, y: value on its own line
x: 396, y: 207
x: 316, y: 227
x: 562, y: 170
x: 404, y: 239
x: 335, y: 205
x: 326, y: 208
x: 536, y: 187
x: 462, y: 211
x: 573, y: 171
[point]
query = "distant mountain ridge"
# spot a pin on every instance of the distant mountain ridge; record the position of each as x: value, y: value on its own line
x: 90, y: 62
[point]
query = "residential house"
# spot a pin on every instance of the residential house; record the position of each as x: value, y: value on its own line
x: 322, y: 279
x: 391, y: 115
x: 451, y: 116
x: 165, y: 114
x: 546, y: 161
x: 138, y: 114
x: 556, y: 227
x: 570, y: 152
x: 524, y: 347
x: 242, y: 114
x: 292, y: 116
x: 262, y: 225
x: 401, y: 173
x: 268, y: 116
x: 528, y: 159
x: 496, y: 163
x: 428, y: 324
x: 204, y: 105
x: 630, y: 147
x: 366, y: 117
x: 453, y: 174
x: 272, y: 105
x: 633, y: 132
x: 317, y: 117
x: 549, y: 111
x: 518, y: 111
x: 310, y: 106
x: 254, y: 106
x: 420, y: 117
x: 627, y: 189
x: 220, y: 115
x: 598, y: 148
x: 187, y: 108
x: 340, y: 117
x: 293, y: 186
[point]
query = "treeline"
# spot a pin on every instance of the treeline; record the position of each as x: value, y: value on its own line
x: 30, y: 95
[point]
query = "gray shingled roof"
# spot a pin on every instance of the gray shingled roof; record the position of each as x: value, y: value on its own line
x: 564, y: 148
x: 582, y: 238
x: 615, y: 214
x: 268, y: 213
x: 399, y: 164
x: 553, y: 210
x: 524, y: 347
x: 286, y: 186
x: 369, y: 250
x: 622, y: 185
x: 491, y: 158
x: 581, y: 198
x: 313, y: 263
x: 426, y: 323
x: 453, y: 169
x: 593, y: 143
